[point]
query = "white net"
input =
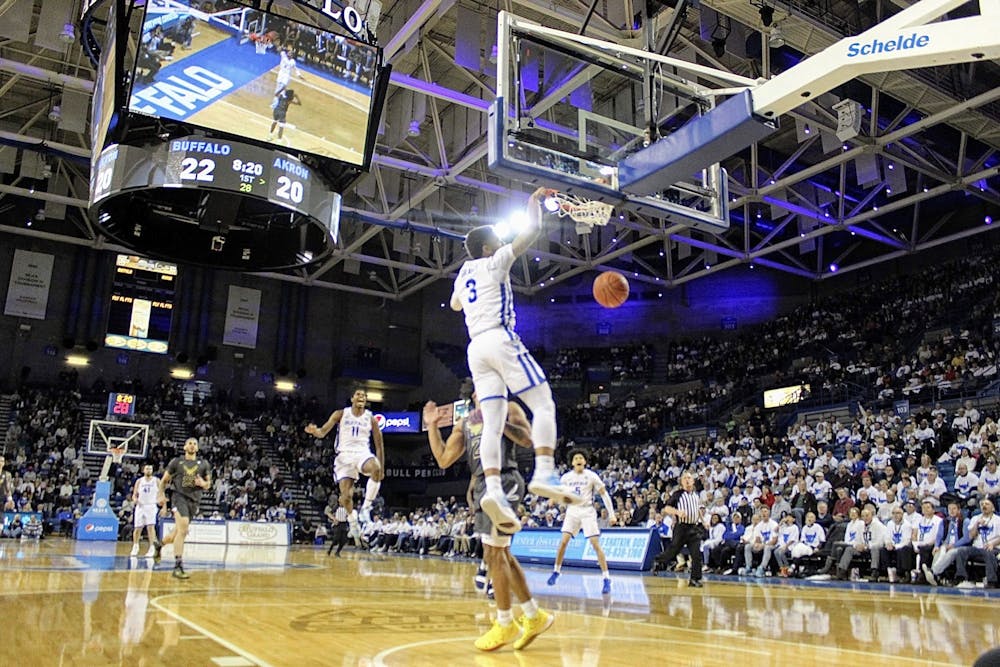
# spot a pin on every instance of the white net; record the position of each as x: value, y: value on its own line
x: 586, y: 211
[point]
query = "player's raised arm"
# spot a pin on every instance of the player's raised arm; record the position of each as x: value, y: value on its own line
x: 317, y: 432
x: 523, y: 241
x: 445, y: 453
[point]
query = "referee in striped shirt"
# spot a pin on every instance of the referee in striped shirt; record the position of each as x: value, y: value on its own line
x: 338, y: 536
x: 685, y: 507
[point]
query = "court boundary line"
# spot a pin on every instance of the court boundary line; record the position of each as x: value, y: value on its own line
x: 379, y: 659
x: 819, y: 647
x: 225, y: 643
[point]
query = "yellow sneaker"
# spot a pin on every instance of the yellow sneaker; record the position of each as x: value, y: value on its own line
x: 497, y: 636
x: 532, y: 627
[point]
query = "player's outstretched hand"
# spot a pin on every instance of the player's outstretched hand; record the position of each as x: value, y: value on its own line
x: 541, y: 193
x: 311, y: 429
x: 431, y: 415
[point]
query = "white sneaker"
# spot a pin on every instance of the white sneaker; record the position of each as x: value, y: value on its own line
x: 931, y: 579
x: 967, y: 584
x: 135, y: 550
x: 500, y: 512
x: 548, y: 486
x: 151, y: 552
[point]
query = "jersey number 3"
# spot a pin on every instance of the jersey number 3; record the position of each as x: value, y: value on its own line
x: 471, y: 286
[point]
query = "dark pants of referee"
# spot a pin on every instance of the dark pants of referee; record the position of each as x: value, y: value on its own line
x: 687, y: 535
x: 338, y: 537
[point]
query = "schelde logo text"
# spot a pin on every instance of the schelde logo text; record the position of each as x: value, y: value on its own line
x: 256, y: 533
x: 876, y: 46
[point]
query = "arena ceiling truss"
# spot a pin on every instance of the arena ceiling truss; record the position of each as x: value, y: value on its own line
x: 922, y: 172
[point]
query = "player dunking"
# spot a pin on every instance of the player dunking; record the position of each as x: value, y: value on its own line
x: 145, y: 495
x: 499, y: 360
x: 286, y: 68
x: 354, y: 456
x: 505, y: 571
x: 283, y: 99
x: 188, y: 476
x: 584, y: 482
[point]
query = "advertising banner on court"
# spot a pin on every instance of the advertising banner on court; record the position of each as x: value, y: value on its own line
x: 242, y: 317
x: 199, y: 532
x: 398, y: 422
x: 28, y: 288
x: 625, y: 548
x: 259, y: 532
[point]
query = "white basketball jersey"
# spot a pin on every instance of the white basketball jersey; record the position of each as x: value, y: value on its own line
x: 149, y: 489
x: 483, y: 287
x: 583, y: 484
x: 354, y: 432
x: 286, y: 67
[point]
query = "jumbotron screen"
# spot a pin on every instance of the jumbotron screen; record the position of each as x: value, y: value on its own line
x: 256, y: 75
x: 142, y: 304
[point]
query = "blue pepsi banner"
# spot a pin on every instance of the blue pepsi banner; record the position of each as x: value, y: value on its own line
x: 398, y: 422
x: 625, y: 548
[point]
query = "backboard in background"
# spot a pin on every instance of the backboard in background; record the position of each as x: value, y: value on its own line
x: 571, y: 114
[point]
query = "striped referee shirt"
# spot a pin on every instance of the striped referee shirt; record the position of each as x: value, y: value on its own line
x: 340, y: 515
x: 688, y: 503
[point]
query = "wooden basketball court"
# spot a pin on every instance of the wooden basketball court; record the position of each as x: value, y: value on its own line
x: 70, y: 603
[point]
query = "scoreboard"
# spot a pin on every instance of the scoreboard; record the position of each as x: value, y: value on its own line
x: 209, y: 164
x: 120, y: 405
x: 142, y: 304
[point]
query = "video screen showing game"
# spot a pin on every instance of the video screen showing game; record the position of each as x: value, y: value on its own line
x: 257, y: 75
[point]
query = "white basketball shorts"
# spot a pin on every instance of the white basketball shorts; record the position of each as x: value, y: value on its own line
x: 498, y: 361
x: 145, y: 515
x: 587, y: 521
x: 349, y: 464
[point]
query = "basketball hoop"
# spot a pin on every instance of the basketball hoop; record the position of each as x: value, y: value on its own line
x: 115, y: 455
x: 589, y: 212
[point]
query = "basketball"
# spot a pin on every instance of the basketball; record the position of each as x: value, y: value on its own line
x: 610, y: 289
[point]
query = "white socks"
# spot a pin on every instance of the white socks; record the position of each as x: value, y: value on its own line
x: 371, y: 492
x: 544, y: 465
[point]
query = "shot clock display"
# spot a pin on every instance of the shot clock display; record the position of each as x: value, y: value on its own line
x: 142, y: 303
x: 120, y: 406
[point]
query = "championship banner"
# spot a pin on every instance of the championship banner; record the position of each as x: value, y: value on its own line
x: 242, y: 316
x: 28, y: 289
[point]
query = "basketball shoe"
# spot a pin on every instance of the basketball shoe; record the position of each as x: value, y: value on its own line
x: 532, y: 627
x: 135, y: 550
x: 157, y: 548
x: 179, y: 572
x: 500, y: 512
x: 549, y: 486
x: 499, y: 635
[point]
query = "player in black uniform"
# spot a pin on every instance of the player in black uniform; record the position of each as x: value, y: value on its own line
x: 505, y: 571
x: 187, y: 476
x: 282, y: 100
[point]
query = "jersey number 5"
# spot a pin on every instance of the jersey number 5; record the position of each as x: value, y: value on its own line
x: 471, y: 286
